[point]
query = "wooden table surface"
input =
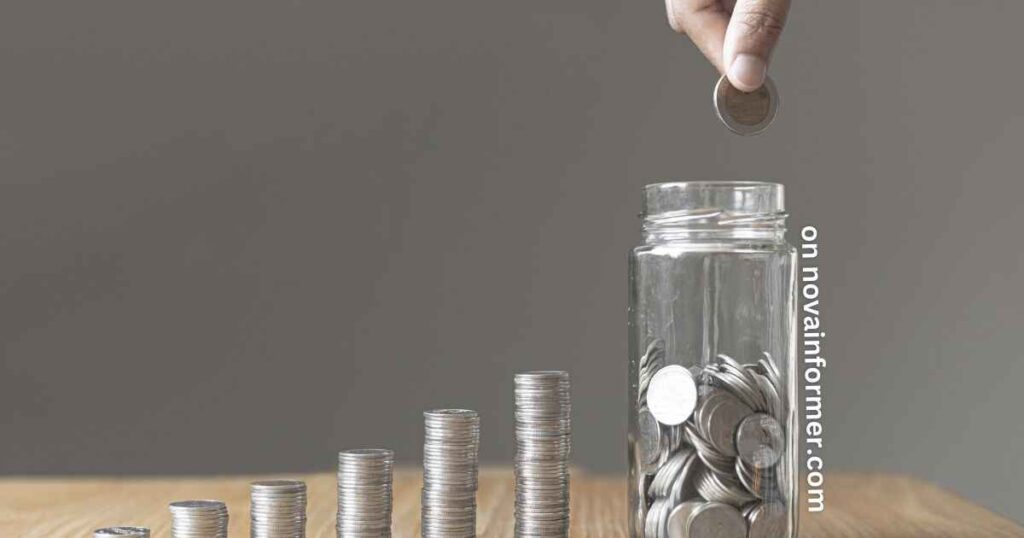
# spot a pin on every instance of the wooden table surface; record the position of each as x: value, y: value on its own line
x: 857, y: 505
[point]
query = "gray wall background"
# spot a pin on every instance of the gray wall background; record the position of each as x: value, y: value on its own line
x: 238, y: 236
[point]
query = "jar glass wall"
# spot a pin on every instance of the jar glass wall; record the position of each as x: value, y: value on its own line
x: 712, y: 311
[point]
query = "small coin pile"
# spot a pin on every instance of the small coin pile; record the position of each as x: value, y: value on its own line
x: 364, y: 492
x: 277, y: 509
x: 199, y: 519
x: 121, y: 532
x: 451, y: 446
x: 543, y: 442
x: 710, y: 465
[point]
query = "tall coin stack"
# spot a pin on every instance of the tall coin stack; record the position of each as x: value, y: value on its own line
x: 543, y: 442
x: 451, y: 447
x: 277, y: 509
x: 121, y: 532
x: 199, y: 519
x: 364, y: 493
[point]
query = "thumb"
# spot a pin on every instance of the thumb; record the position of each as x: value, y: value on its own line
x: 753, y: 31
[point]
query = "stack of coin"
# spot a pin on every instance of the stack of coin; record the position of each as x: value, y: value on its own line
x: 451, y: 446
x: 199, y: 519
x: 542, y: 436
x: 364, y: 493
x: 277, y: 509
x: 121, y: 532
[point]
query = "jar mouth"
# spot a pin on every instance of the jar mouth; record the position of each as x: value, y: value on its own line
x: 733, y: 197
x: 714, y: 209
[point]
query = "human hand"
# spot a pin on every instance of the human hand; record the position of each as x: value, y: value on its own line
x: 736, y: 36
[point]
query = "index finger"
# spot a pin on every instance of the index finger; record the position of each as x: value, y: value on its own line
x: 753, y: 32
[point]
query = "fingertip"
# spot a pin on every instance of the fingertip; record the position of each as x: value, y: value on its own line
x: 747, y: 72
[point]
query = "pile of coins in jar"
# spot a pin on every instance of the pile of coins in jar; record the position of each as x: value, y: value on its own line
x: 710, y: 445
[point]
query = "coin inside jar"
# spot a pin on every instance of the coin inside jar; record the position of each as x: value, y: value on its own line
x: 722, y: 420
x: 672, y: 395
x: 717, y: 520
x: 685, y: 486
x: 766, y: 520
x: 759, y: 441
x: 746, y: 113
x: 649, y: 442
x: 679, y: 517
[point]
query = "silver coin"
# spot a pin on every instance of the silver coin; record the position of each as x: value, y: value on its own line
x: 766, y: 520
x: 679, y: 518
x: 715, y: 520
x: 759, y: 441
x: 672, y: 395
x: 722, y: 421
x: 723, y: 488
x: 746, y: 113
x: 743, y: 381
x: 748, y: 393
x: 649, y: 442
x: 667, y: 473
x: 654, y: 357
x: 657, y: 518
x: 685, y: 485
x: 773, y: 373
x: 772, y: 398
x: 121, y: 532
x: 703, y: 411
x: 751, y: 479
x: 709, y: 455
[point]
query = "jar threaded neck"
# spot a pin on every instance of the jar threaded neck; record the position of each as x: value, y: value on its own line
x: 714, y: 210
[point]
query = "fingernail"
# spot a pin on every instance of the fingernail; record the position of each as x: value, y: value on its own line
x: 747, y: 72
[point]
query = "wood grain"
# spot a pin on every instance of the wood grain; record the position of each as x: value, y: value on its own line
x: 861, y: 506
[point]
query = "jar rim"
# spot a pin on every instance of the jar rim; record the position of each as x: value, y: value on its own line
x: 745, y: 197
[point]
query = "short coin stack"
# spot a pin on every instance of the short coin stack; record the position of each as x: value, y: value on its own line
x: 364, y: 493
x: 277, y: 509
x: 199, y: 519
x: 451, y: 446
x: 543, y: 442
x: 121, y: 532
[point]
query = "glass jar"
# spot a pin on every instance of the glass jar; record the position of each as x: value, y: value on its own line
x: 712, y: 368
